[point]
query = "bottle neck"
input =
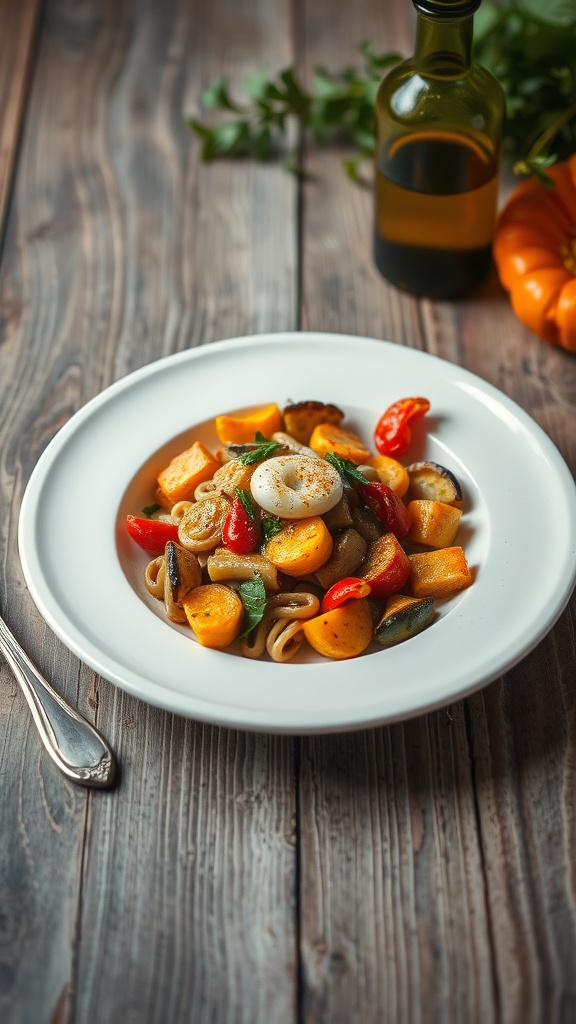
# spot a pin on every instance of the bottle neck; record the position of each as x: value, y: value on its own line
x: 444, y: 45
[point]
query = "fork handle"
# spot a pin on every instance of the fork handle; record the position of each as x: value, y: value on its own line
x: 72, y: 742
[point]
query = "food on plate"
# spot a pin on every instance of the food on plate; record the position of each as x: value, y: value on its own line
x: 393, y: 431
x: 295, y: 532
x: 300, y: 418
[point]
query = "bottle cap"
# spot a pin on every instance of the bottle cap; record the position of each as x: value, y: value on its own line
x: 447, y: 8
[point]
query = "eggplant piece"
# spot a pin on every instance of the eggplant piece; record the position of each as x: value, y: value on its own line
x: 182, y: 574
x: 348, y: 553
x: 403, y: 618
x: 365, y: 523
x: 339, y: 517
x: 432, y: 481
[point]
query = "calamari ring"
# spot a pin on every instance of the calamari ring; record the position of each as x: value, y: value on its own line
x: 296, y: 486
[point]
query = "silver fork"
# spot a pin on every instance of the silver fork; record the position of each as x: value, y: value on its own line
x: 73, y: 743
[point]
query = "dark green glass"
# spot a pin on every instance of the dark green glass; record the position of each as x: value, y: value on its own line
x: 439, y: 119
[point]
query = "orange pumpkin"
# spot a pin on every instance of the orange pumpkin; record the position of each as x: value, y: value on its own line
x: 535, y: 254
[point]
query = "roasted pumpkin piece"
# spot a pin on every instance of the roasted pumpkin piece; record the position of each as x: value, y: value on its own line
x: 300, y: 418
x: 180, y: 478
x: 243, y: 429
x: 433, y: 523
x: 391, y: 472
x: 328, y: 437
x: 403, y: 618
x: 215, y: 614
x: 344, y: 632
x: 433, y: 481
x: 301, y: 547
x: 439, y: 573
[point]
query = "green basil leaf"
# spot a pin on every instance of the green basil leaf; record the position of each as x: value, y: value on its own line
x: 149, y: 510
x: 252, y: 593
x: 348, y: 471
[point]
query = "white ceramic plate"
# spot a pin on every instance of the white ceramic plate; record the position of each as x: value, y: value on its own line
x: 84, y: 573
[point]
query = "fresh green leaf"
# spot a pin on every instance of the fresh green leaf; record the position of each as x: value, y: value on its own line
x: 270, y: 527
x: 150, y: 510
x: 247, y: 502
x: 253, y: 596
x: 552, y: 12
x: 348, y: 471
x: 529, y: 45
x: 263, y: 449
x: 216, y: 96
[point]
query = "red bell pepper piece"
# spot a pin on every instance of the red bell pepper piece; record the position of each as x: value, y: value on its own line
x: 344, y: 590
x: 393, y: 433
x: 151, y: 534
x: 388, y: 508
x: 387, y: 567
x: 241, y: 531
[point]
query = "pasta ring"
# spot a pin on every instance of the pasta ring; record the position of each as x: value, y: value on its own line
x: 296, y: 486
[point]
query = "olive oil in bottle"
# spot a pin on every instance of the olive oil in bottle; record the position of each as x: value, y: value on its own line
x: 439, y: 123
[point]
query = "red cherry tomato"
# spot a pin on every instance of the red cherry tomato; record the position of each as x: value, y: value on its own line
x: 151, y: 534
x: 393, y: 433
x: 344, y: 590
x: 241, y: 531
x: 388, y: 508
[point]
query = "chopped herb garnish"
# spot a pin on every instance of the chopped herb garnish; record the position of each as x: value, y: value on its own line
x: 247, y: 502
x: 348, y: 471
x: 253, y: 596
x: 270, y: 527
x: 150, y: 510
x: 263, y: 449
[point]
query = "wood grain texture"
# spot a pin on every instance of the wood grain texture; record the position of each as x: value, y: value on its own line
x: 415, y: 874
x: 453, y: 859
x: 18, y: 24
x: 120, y: 248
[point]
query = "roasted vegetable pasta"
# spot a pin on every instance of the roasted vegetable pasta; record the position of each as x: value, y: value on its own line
x: 303, y: 534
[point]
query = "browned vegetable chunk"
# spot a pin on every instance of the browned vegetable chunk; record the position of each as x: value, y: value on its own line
x: 438, y: 573
x: 434, y: 482
x: 301, y: 418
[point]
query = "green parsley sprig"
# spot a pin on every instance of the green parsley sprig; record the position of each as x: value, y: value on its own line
x: 263, y: 448
x: 529, y: 46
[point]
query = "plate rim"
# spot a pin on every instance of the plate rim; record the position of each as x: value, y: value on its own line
x: 246, y: 719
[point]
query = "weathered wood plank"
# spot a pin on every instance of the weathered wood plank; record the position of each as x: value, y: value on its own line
x: 17, y: 33
x: 169, y: 898
x: 456, y: 896
x: 388, y: 823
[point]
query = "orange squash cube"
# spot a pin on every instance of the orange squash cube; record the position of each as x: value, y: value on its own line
x: 242, y: 429
x: 329, y: 437
x: 439, y: 573
x: 180, y: 478
x: 432, y: 523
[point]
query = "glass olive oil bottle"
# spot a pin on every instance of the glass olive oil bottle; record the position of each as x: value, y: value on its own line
x: 439, y: 123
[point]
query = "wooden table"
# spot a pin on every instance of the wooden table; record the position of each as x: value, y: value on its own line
x: 422, y: 872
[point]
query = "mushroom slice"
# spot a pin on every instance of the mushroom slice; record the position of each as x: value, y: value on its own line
x: 182, y: 575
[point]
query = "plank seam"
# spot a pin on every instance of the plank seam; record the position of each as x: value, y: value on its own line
x: 478, y: 818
